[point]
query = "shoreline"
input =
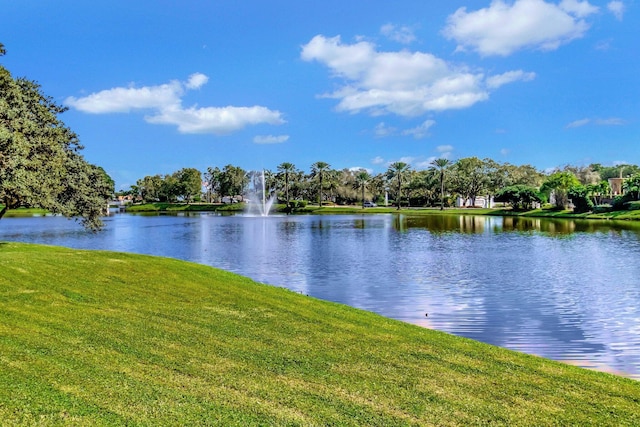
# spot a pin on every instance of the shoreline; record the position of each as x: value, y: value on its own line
x: 628, y: 215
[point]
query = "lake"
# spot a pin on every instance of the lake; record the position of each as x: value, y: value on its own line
x: 562, y: 289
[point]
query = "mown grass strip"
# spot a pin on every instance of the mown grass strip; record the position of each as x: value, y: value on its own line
x: 103, y: 338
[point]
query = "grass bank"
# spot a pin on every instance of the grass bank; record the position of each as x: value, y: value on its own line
x: 568, y: 214
x: 24, y: 212
x: 184, y: 207
x: 103, y: 338
x: 633, y: 215
x: 279, y: 208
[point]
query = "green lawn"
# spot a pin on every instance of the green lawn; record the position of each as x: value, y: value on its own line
x: 314, y: 209
x: 103, y: 338
x: 328, y: 210
x: 568, y: 214
x: 24, y: 212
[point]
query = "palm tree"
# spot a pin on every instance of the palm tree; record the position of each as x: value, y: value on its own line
x: 397, y: 171
x: 440, y: 165
x: 319, y: 169
x: 285, y: 169
x: 362, y: 178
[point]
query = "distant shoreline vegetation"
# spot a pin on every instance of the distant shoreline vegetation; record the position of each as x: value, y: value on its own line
x: 633, y: 215
x: 594, y: 191
x: 549, y: 212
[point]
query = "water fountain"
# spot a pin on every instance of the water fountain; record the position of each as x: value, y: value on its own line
x: 260, y: 200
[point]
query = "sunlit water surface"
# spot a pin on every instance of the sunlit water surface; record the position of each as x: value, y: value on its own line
x: 565, y: 290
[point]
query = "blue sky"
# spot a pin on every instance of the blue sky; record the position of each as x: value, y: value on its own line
x: 155, y: 86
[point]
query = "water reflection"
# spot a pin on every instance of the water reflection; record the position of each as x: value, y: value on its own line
x: 561, y: 289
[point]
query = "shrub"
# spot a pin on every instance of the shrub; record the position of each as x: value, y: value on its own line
x: 620, y: 202
x: 518, y: 196
x: 297, y: 204
x: 633, y: 206
x: 579, y: 195
x: 604, y: 208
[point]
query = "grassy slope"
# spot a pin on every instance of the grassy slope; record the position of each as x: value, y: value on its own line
x: 103, y: 338
x: 311, y: 209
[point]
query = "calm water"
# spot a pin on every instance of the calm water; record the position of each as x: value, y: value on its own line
x: 565, y: 290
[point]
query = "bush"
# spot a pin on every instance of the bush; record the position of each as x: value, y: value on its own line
x: 620, y: 202
x: 518, y: 196
x: 602, y: 208
x: 579, y: 195
x: 297, y: 204
x: 633, y: 206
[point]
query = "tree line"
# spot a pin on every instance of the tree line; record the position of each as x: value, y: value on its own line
x: 401, y: 185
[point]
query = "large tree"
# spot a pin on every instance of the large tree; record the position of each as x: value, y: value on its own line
x: 149, y: 188
x: 397, y: 172
x: 440, y: 165
x: 319, y: 171
x: 519, y: 196
x: 285, y: 170
x: 470, y: 178
x: 40, y: 161
x: 213, y: 182
x: 362, y: 178
x: 189, y: 183
x: 233, y: 181
x: 559, y: 183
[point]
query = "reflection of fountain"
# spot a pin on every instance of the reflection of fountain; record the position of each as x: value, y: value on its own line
x: 260, y: 200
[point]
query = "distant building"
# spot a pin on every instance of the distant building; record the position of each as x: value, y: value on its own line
x: 481, y: 202
x: 616, y: 186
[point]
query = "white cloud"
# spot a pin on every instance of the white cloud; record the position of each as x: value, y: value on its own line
x: 612, y: 121
x: 444, y: 151
x: 617, y: 8
x: 196, y: 81
x: 420, y: 131
x: 495, y: 82
x: 505, y: 151
x: 377, y: 160
x: 165, y: 103
x: 578, y: 123
x: 407, y: 159
x: 580, y: 9
x: 603, y: 44
x: 426, y: 164
x: 382, y: 130
x: 123, y: 100
x: 215, y: 120
x: 402, y: 35
x: 502, y: 28
x: 359, y: 168
x: 270, y: 139
x: 403, y: 83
